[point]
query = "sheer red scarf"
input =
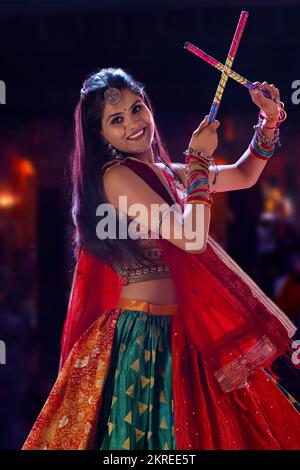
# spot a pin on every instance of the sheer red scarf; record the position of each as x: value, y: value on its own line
x: 223, y: 315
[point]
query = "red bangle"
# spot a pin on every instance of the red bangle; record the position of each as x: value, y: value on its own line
x: 282, y: 116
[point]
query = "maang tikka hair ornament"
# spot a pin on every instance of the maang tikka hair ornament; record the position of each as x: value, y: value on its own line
x: 111, y: 95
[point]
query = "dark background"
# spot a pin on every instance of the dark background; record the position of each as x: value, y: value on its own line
x: 47, y: 50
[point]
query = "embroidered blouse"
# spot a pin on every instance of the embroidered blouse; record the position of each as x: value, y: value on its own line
x: 156, y: 269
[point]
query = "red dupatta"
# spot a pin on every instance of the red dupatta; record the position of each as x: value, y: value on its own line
x: 223, y: 315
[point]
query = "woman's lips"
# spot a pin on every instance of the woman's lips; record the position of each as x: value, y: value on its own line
x: 140, y: 136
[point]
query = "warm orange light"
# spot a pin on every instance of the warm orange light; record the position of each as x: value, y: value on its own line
x: 26, y: 167
x: 7, y: 200
x: 276, y: 200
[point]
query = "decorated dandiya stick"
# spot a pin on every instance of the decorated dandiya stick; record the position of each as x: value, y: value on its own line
x: 228, y: 64
x: 218, y: 65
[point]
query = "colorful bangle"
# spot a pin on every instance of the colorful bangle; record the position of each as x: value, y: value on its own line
x: 190, y: 153
x: 197, y: 172
x: 258, y: 153
x: 261, y: 147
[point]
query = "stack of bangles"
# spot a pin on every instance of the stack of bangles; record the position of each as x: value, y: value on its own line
x: 197, y: 173
x: 260, y: 146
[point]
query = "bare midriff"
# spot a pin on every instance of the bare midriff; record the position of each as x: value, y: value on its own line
x: 156, y: 291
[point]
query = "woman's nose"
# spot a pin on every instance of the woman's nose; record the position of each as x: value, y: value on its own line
x: 133, y: 124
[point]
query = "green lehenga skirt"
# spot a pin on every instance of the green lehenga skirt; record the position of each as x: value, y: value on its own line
x: 137, y: 406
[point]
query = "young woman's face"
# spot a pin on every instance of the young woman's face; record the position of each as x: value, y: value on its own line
x: 122, y: 121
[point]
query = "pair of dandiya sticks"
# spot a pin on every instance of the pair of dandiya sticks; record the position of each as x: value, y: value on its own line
x: 226, y: 69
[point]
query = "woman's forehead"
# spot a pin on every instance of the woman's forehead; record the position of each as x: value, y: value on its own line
x: 127, y: 98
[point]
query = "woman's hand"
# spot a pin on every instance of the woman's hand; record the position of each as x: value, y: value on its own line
x: 205, y: 138
x: 270, y: 106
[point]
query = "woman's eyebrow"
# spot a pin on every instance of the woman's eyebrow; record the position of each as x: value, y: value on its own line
x: 131, y: 106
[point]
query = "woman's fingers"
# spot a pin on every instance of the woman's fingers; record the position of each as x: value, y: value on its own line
x: 203, y: 124
x: 256, y: 91
x: 215, y: 124
x: 274, y: 92
x: 277, y: 96
x: 270, y: 88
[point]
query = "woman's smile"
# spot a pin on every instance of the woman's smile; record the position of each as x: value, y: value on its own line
x: 138, y: 135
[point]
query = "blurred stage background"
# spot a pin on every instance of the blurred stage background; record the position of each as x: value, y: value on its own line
x: 47, y: 50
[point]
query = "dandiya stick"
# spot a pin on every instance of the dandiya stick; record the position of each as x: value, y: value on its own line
x: 229, y: 61
x: 218, y: 65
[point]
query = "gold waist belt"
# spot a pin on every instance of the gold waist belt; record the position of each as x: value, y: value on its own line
x: 144, y: 305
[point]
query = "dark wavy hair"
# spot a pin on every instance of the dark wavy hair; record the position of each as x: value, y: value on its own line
x: 88, y: 155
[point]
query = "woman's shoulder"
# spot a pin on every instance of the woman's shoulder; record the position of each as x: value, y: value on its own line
x: 116, y: 165
x: 109, y: 165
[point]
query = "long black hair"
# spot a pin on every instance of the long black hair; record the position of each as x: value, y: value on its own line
x: 88, y: 156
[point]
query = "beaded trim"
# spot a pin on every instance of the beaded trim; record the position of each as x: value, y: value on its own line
x: 139, y: 273
x: 236, y: 373
x: 144, y: 273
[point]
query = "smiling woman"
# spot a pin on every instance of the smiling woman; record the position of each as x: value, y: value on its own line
x: 163, y: 347
x: 128, y: 125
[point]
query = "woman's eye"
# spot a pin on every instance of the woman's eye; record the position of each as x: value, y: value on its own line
x: 135, y: 109
x: 114, y: 120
